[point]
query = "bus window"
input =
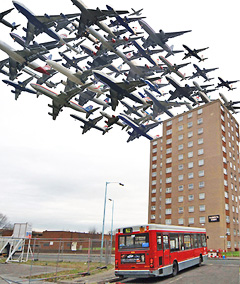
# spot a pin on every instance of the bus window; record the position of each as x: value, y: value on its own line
x: 204, y: 243
x: 165, y: 242
x: 199, y: 240
x: 174, y: 245
x: 159, y: 241
x: 187, y: 241
x: 181, y: 242
x: 134, y: 241
x: 195, y: 240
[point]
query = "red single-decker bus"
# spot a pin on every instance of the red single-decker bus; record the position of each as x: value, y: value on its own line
x: 158, y: 250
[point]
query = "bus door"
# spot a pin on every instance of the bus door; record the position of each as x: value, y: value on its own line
x: 166, y: 249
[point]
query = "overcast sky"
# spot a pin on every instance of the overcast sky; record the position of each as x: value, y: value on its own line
x: 54, y: 177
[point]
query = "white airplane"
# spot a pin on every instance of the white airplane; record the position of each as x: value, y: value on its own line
x: 63, y: 100
x: 173, y: 68
x: 20, y: 58
x: 229, y: 104
x: 76, y: 78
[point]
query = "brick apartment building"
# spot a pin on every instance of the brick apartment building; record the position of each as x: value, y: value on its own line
x: 194, y: 174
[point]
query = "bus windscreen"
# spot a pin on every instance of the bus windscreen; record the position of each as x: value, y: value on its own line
x: 140, y: 241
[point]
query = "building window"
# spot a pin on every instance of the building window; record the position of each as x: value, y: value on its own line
x: 201, y: 173
x: 190, y: 186
x: 168, y: 221
x: 190, y: 134
x: 190, y: 124
x: 180, y: 210
x: 202, y: 208
x: 190, y: 197
x: 190, y: 165
x: 168, y: 170
x: 169, y: 180
x: 202, y: 195
x: 154, y: 182
x: 180, y: 137
x: 169, y: 131
x: 180, y: 157
x: 201, y: 163
x: 180, y: 118
x: 169, y: 123
x: 202, y: 220
x: 169, y: 141
x: 180, y: 127
x: 199, y: 111
x: 201, y: 184
x: 180, y: 167
x: 153, y: 217
x: 200, y: 152
x: 153, y: 207
x: 180, y: 198
x: 168, y: 190
x: 180, y: 177
x: 190, y: 209
x: 168, y: 160
x: 189, y: 115
x: 180, y: 188
x: 190, y: 144
x: 168, y: 211
x: 226, y: 206
x: 168, y: 201
x: 200, y: 141
x: 154, y: 174
x: 190, y: 154
x: 180, y: 147
x: 169, y: 150
x: 200, y: 121
x: 191, y: 220
x: 153, y: 199
x: 154, y: 190
x: 180, y: 221
x: 190, y: 175
x: 200, y: 130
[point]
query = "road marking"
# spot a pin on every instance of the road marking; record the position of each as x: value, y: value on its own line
x: 176, y: 279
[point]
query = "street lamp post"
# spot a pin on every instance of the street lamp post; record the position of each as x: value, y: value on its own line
x: 104, y: 211
x: 111, y: 223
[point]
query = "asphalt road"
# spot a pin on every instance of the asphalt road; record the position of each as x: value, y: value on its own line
x: 212, y: 271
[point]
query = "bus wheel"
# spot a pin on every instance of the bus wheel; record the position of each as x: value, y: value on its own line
x: 175, y: 269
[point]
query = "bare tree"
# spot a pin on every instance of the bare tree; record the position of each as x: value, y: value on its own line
x: 4, y: 223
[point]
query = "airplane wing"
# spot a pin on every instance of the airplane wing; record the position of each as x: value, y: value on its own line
x: 68, y: 95
x: 49, y: 20
x: 211, y: 69
x: 201, y: 49
x: 231, y: 82
x: 174, y: 34
x: 56, y: 108
x: 31, y: 31
x: 31, y: 55
x: 13, y: 68
x: 182, y: 65
x: 148, y: 42
x: 132, y: 85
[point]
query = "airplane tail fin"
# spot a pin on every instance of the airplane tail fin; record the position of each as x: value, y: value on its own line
x: 14, y: 26
x: 90, y: 110
x: 172, y: 52
x: 106, y: 129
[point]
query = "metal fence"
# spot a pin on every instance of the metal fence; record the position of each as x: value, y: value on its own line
x: 84, y: 255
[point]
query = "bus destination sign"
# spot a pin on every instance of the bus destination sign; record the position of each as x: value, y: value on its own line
x: 127, y: 230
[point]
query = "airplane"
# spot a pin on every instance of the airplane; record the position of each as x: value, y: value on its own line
x: 94, y: 16
x: 226, y: 84
x: 13, y: 26
x: 44, y: 78
x: 76, y: 78
x: 112, y: 119
x: 19, y: 59
x: 138, y: 130
x: 137, y: 13
x: 160, y: 107
x: 154, y: 87
x: 194, y: 52
x: 173, y: 68
x: 144, y: 53
x: 202, y: 92
x: 202, y: 72
x: 63, y: 100
x: 123, y: 21
x: 180, y: 91
x: 72, y: 62
x: 119, y: 90
x: 159, y: 38
x: 132, y: 109
x: 229, y: 104
x: 91, y: 123
x: 84, y: 97
x: 20, y: 87
x: 40, y: 24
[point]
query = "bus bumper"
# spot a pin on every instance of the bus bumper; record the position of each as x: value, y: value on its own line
x: 144, y: 273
